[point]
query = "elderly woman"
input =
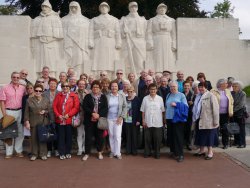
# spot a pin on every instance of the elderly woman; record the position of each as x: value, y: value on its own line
x: 126, y: 85
x: 50, y: 95
x: 202, y: 78
x: 206, y: 118
x: 95, y: 106
x: 117, y: 111
x: 239, y: 109
x: 225, y: 101
x: 65, y: 106
x: 36, y: 112
x: 105, y: 86
x: 81, y: 92
x: 175, y: 124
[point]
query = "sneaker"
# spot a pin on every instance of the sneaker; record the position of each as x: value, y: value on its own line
x: 62, y: 157
x: 49, y: 154
x: 111, y: 155
x: 119, y: 157
x: 8, y: 156
x: 20, y: 155
x: 56, y: 153
x: 68, y: 156
x: 85, y: 157
x: 33, y: 158
x: 100, y: 156
x: 44, y: 158
x: 79, y: 153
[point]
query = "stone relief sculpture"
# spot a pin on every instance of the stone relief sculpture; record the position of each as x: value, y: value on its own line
x: 133, y: 31
x: 76, y: 35
x: 46, y: 35
x: 105, y: 40
x: 161, y: 40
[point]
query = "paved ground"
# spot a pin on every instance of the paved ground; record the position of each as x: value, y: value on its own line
x: 129, y: 172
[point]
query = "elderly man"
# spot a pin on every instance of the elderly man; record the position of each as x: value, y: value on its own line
x: 133, y: 31
x: 119, y: 79
x: 103, y: 74
x: 23, y: 77
x: 11, y: 104
x: 180, y: 80
x: 45, y: 76
x: 62, y: 79
x: 140, y: 82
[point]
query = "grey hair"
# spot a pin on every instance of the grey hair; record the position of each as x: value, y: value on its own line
x: 221, y: 81
x: 173, y: 82
x: 239, y: 83
x: 195, y: 84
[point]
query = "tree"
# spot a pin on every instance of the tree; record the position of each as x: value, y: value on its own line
x: 119, y: 8
x: 7, y: 10
x: 223, y: 10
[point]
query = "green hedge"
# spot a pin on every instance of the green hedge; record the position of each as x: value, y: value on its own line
x: 247, y: 90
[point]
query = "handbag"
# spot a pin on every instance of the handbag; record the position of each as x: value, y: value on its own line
x: 46, y: 133
x: 232, y: 128
x: 102, y: 123
x: 9, y: 132
x: 76, y: 121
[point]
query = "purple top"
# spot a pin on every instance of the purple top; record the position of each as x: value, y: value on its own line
x: 223, y: 102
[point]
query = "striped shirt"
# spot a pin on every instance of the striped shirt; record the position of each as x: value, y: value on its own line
x: 12, y: 95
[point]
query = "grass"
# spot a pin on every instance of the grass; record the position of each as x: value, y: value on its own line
x: 247, y: 90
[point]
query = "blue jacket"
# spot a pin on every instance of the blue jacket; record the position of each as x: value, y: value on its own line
x: 180, y: 113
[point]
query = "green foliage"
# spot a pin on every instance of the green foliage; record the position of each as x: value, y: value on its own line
x: 119, y: 8
x: 223, y: 10
x: 7, y: 10
x: 247, y: 90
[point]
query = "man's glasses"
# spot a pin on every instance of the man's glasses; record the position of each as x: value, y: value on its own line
x: 25, y: 74
x: 119, y: 73
x: 15, y: 77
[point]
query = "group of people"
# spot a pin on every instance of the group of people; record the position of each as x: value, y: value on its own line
x: 182, y: 112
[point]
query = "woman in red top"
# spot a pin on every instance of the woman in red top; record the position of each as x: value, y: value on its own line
x: 65, y: 106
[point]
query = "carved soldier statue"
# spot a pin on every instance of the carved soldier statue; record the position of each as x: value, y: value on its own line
x: 105, y: 40
x: 161, y: 35
x: 133, y: 32
x: 76, y: 35
x: 46, y: 38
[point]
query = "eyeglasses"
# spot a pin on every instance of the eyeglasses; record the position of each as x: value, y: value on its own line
x: 38, y: 91
x: 15, y: 77
x: 40, y: 81
x: 24, y: 73
x: 102, y: 74
x: 65, y: 86
x: 119, y: 73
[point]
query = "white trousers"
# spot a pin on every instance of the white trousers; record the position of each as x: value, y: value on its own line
x: 81, y: 138
x: 18, y: 141
x: 115, y: 135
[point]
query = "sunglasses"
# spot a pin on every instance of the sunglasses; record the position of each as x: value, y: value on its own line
x: 65, y: 86
x: 15, y: 77
x: 38, y: 91
x: 40, y: 81
x: 102, y: 74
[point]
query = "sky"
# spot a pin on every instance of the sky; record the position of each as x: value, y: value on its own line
x: 241, y: 11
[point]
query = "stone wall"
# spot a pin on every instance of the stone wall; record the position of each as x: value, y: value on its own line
x: 205, y: 45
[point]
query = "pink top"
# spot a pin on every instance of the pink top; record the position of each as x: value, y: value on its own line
x: 12, y: 95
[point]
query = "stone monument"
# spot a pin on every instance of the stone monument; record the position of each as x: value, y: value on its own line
x: 133, y: 32
x: 76, y: 35
x: 161, y: 41
x: 46, y: 36
x: 105, y: 40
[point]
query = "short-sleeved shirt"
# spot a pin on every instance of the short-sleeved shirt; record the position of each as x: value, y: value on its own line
x: 153, y: 108
x: 12, y: 95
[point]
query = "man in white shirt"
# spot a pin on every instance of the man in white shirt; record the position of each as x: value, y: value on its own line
x: 152, y: 109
